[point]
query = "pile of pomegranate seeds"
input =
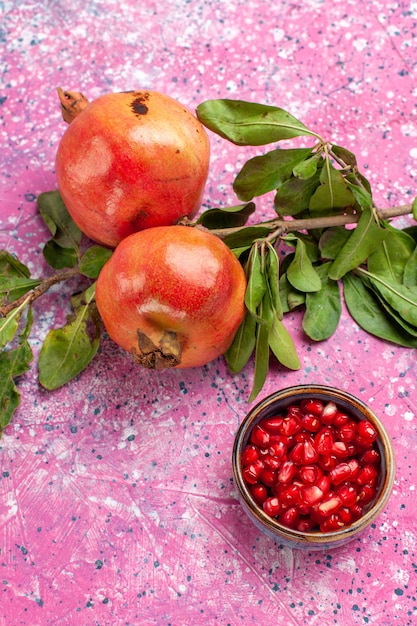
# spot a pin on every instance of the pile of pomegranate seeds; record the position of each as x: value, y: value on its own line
x: 313, y: 469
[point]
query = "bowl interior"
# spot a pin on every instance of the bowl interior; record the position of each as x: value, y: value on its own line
x: 276, y: 404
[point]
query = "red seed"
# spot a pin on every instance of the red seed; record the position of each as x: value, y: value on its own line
x: 312, y: 406
x: 268, y: 477
x: 278, y: 450
x: 366, y: 432
x: 272, y: 506
x: 329, y: 505
x: 323, y: 441
x: 309, y: 473
x: 348, y: 494
x: 296, y: 453
x: 370, y: 457
x: 340, y: 473
x: 332, y: 523
x: 272, y: 462
x: 311, y: 423
x: 259, y: 492
x: 259, y: 436
x: 289, y: 517
x: 287, y: 472
x: 309, y: 453
x: 367, y: 494
x: 311, y: 494
x: 249, y: 455
x: 272, y: 424
x: 290, y: 425
x: 324, y: 483
x: 347, y: 432
x: 305, y: 525
x: 340, y: 449
x: 366, y: 475
x: 340, y: 419
x: 252, y: 472
x: 329, y: 412
x: 327, y: 462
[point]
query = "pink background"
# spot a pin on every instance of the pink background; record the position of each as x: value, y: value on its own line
x: 117, y: 505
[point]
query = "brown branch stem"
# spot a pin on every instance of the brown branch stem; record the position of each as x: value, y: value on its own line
x: 279, y: 227
x: 38, y: 291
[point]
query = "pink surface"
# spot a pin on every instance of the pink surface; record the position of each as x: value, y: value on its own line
x: 117, y: 505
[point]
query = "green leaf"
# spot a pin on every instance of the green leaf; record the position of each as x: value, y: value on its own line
x: 267, y: 172
x: 363, y: 240
x: 93, y: 260
x: 362, y: 196
x: 227, y: 217
x: 308, y: 168
x: 10, y: 323
x: 11, y: 289
x: 365, y: 309
x: 67, y: 351
x: 323, y: 308
x: 290, y: 298
x: 294, y: 195
x: 272, y: 271
x: 282, y: 345
x: 10, y: 266
x: 410, y: 270
x: 262, y: 347
x: 401, y: 298
x: 332, y: 241
x: 301, y: 273
x: 333, y: 192
x: 246, y: 236
x: 243, y: 344
x: 13, y: 363
x: 256, y: 285
x: 249, y: 124
x: 55, y: 215
x: 344, y: 155
x: 390, y: 258
x: 58, y: 257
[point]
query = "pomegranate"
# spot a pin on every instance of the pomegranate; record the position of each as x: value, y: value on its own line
x: 130, y: 161
x: 304, y: 474
x: 173, y: 296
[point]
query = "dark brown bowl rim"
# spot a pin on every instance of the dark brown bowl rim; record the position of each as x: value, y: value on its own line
x: 361, y: 410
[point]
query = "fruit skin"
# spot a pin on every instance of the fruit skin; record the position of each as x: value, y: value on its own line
x: 130, y: 161
x: 173, y: 296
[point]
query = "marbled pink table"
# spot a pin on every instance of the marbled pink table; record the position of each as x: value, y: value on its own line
x: 116, y: 500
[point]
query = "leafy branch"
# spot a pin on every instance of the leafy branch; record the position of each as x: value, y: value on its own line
x: 327, y: 234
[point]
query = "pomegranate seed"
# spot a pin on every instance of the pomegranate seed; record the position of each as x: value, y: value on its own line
x: 296, y: 453
x: 356, y: 511
x: 289, y: 517
x: 309, y: 453
x: 311, y: 494
x: 333, y: 522
x: 272, y: 424
x: 345, y: 515
x: 305, y: 525
x: 315, y: 468
x: 287, y: 472
x: 324, y: 483
x: 272, y: 462
x: 312, y: 406
x: 252, y: 472
x: 366, y: 432
x: 367, y: 494
x: 366, y: 475
x: 370, y: 457
x: 272, y: 506
x: 309, y: 473
x: 340, y: 473
x: 347, y: 432
x: 311, y: 423
x: 329, y: 412
x: 268, y: 477
x: 278, y: 450
x: 259, y: 492
x: 249, y: 455
x: 340, y: 419
x: 327, y: 462
x: 324, y: 441
x: 259, y: 436
x: 290, y: 425
x: 329, y: 505
x: 348, y: 494
x: 340, y: 449
x: 290, y: 496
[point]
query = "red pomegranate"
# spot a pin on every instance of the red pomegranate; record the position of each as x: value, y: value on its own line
x: 130, y: 161
x: 173, y: 296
